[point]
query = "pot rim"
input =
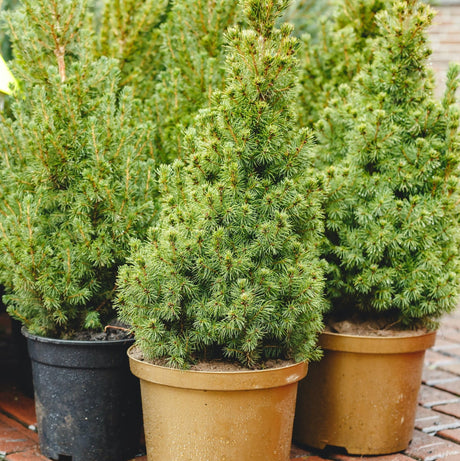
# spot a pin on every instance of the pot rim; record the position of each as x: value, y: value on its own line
x: 377, y: 344
x: 75, y: 342
x: 218, y: 380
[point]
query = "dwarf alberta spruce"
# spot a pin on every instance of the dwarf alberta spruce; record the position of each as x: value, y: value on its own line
x: 393, y: 208
x: 231, y: 270
x: 335, y: 54
x: 192, y: 57
x: 75, y: 175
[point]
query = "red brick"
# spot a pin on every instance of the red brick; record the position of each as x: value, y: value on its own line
x: 446, y: 333
x: 435, y: 359
x: 442, y: 343
x: 395, y: 457
x: 452, y: 367
x: 451, y: 386
x: 429, y: 448
x: 17, y: 405
x: 433, y: 376
x: 297, y: 451
x: 451, y: 434
x: 14, y: 437
x: 31, y: 455
x: 451, y: 458
x: 305, y: 458
x: 429, y: 396
x: 452, y: 409
x: 430, y: 421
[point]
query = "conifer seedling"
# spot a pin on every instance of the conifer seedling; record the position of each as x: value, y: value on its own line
x: 75, y: 174
x: 393, y: 207
x: 231, y: 270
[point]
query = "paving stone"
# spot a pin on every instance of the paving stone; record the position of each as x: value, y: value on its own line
x: 395, y: 457
x: 429, y: 448
x: 451, y: 458
x: 31, y: 455
x: 449, y: 334
x: 433, y: 376
x: 451, y: 367
x: 450, y: 434
x: 297, y: 451
x: 19, y: 406
x: 14, y: 437
x: 430, y: 421
x: 452, y: 409
x: 442, y: 343
x: 435, y: 359
x: 309, y: 458
x: 451, y: 386
x: 430, y: 396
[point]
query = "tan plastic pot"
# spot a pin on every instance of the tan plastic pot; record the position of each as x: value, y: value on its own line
x: 362, y: 396
x: 217, y: 416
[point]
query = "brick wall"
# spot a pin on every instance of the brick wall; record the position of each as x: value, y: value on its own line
x: 445, y: 39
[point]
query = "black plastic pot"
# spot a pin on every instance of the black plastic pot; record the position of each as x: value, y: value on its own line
x: 86, y: 400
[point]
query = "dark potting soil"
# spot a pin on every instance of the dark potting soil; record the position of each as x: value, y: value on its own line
x: 113, y: 331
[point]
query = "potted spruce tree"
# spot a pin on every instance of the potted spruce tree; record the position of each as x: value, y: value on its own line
x: 392, y: 227
x: 228, y: 285
x: 192, y: 57
x: 334, y: 55
x: 75, y: 188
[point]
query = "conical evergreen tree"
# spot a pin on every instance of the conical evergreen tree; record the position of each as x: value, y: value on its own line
x: 232, y: 268
x: 393, y: 211
x: 193, y: 58
x: 74, y: 174
x: 336, y: 54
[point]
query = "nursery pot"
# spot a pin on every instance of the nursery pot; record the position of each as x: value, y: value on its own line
x: 204, y: 416
x: 362, y: 396
x: 86, y: 400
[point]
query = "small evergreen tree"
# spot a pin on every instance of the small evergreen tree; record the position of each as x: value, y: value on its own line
x: 192, y: 56
x: 74, y: 174
x: 393, y: 210
x: 340, y: 49
x: 232, y: 269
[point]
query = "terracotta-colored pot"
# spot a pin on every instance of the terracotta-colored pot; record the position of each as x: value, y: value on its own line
x: 199, y: 416
x: 363, y: 394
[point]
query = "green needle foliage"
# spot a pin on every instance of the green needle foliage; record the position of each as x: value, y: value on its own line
x: 304, y: 14
x: 335, y: 54
x: 231, y: 271
x: 129, y: 31
x: 75, y: 174
x: 192, y: 54
x: 393, y: 210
